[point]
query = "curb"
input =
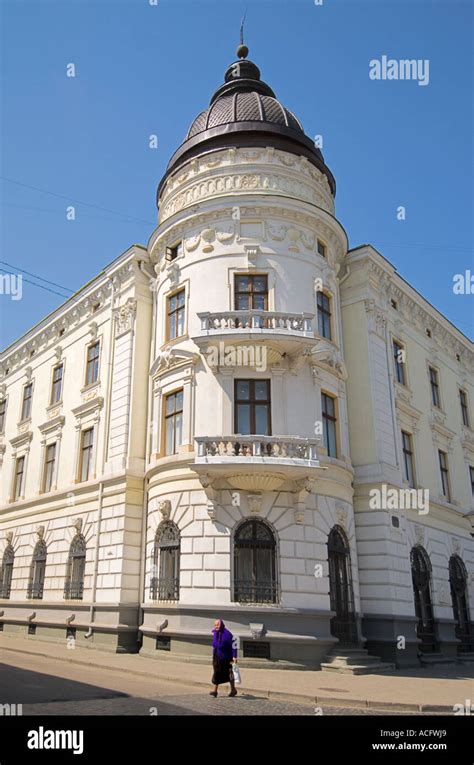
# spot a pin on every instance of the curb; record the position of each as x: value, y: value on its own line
x: 271, y: 695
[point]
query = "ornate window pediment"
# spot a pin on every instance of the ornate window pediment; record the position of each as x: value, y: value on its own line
x: 170, y: 358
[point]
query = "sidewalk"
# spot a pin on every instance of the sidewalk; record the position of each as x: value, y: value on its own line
x: 436, y: 689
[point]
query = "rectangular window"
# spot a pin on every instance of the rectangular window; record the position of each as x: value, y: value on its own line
x: 399, y: 359
x: 49, y: 462
x: 87, y: 443
x: 3, y: 413
x: 329, y: 424
x: 408, y: 458
x: 321, y: 248
x: 464, y: 408
x: 176, y: 314
x: 173, y: 252
x: 26, y: 404
x: 471, y: 476
x: 251, y: 292
x: 252, y: 407
x: 173, y: 421
x: 434, y: 383
x: 444, y: 471
x: 57, y: 384
x: 324, y: 315
x: 19, y: 477
x: 92, y: 369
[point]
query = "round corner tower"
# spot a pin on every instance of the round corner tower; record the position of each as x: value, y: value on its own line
x: 249, y: 479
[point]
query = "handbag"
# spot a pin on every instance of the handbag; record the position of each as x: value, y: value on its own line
x: 236, y: 673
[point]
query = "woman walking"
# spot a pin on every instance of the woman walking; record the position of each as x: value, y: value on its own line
x: 223, y: 655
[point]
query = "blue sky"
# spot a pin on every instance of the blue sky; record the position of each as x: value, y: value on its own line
x: 144, y: 70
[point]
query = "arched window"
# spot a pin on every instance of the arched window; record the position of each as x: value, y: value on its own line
x: 458, y: 584
x: 341, y: 594
x: 37, y: 571
x: 76, y: 564
x: 421, y: 579
x: 255, y: 579
x: 165, y: 564
x: 6, y: 572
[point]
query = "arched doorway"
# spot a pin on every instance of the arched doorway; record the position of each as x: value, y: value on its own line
x: 343, y: 624
x: 458, y: 584
x: 421, y: 578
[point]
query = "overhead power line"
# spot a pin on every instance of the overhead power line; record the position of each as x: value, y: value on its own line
x: 35, y: 276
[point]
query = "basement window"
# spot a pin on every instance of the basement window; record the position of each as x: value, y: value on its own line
x: 32, y: 629
x: 163, y: 644
x: 253, y: 649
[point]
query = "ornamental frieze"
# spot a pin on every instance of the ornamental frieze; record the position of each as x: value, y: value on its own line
x: 264, y: 183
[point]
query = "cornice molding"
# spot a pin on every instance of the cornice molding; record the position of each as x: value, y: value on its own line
x: 64, y: 321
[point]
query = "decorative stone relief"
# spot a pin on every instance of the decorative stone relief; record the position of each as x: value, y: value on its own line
x: 124, y: 317
x: 255, y: 503
x: 419, y: 534
x: 257, y: 630
x: 164, y: 507
x: 376, y: 319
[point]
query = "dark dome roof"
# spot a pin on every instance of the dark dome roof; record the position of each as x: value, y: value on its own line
x: 242, y: 107
x: 244, y: 111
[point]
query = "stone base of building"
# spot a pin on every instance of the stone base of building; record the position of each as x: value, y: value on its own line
x: 278, y: 638
x: 114, y: 628
x: 393, y: 638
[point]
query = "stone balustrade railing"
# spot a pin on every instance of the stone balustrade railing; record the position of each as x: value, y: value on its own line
x: 276, y: 447
x: 272, y: 321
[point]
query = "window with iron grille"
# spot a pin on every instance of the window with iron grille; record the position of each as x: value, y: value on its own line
x: 407, y: 444
x: 444, y: 472
x: 57, y: 384
x: 324, y: 314
x: 3, y: 413
x: 176, y: 314
x: 399, y: 361
x: 173, y: 421
x: 26, y: 403
x: 164, y: 583
x: 37, y: 572
x: 251, y: 292
x: 329, y: 424
x: 76, y: 565
x: 464, y: 407
x: 434, y: 384
x: 252, y: 413
x: 92, y: 366
x: 87, y: 444
x: 49, y: 463
x: 256, y: 649
x: 458, y: 579
x: 19, y: 478
x: 255, y: 576
x: 6, y: 572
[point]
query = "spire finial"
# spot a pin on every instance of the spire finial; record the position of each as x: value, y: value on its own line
x: 242, y: 50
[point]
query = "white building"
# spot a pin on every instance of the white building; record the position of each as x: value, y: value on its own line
x: 202, y: 429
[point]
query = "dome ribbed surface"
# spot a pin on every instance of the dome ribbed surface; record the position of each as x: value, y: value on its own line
x: 244, y: 107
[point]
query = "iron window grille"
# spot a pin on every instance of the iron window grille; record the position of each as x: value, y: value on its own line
x: 255, y: 578
x: 341, y: 591
x: 76, y: 564
x: 458, y: 584
x: 164, y: 584
x: 37, y: 572
x: 421, y: 579
x: 6, y: 572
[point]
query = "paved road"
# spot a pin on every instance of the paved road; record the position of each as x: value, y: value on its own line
x: 47, y: 687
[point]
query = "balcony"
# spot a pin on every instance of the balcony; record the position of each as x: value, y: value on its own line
x: 281, y: 331
x: 256, y: 462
